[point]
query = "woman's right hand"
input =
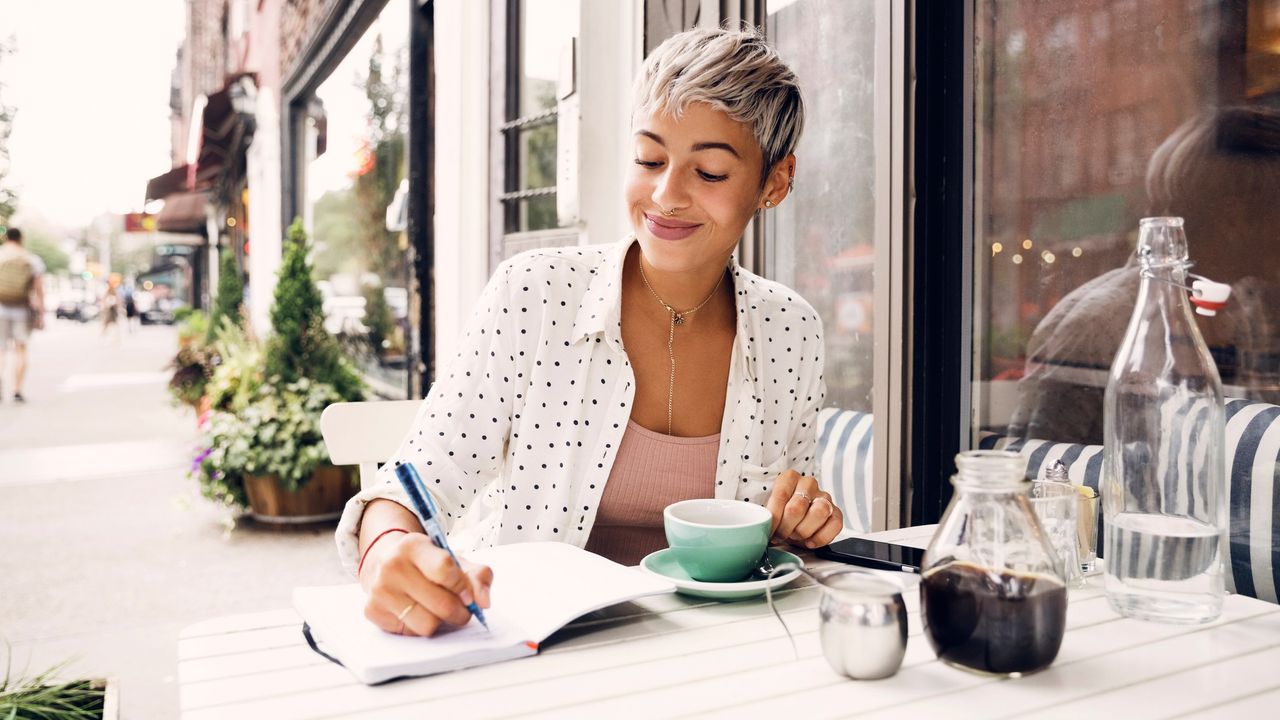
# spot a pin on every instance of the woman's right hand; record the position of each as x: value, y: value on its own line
x: 415, y: 588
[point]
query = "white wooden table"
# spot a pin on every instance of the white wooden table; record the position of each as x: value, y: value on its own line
x: 673, y: 656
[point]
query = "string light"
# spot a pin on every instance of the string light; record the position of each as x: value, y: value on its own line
x: 1017, y: 259
x: 1026, y: 244
x: 1048, y: 257
x: 996, y: 248
x: 1076, y: 252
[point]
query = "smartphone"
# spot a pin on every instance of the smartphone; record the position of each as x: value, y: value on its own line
x: 875, y: 554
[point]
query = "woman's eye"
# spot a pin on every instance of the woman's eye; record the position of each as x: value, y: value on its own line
x: 651, y: 164
x: 711, y: 178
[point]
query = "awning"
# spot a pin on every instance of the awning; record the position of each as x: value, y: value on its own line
x: 162, y: 186
x: 223, y: 131
x: 218, y: 129
x: 183, y: 212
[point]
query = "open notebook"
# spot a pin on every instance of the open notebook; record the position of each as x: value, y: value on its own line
x: 538, y: 588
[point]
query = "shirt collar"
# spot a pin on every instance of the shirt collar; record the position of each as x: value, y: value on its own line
x: 601, y: 310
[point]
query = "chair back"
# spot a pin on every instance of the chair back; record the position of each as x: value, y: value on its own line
x: 366, y: 433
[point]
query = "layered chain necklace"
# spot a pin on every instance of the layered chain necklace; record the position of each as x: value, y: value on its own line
x: 675, y: 317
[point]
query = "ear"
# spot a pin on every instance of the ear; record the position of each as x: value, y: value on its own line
x: 777, y: 184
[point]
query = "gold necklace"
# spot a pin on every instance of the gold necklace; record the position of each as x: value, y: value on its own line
x: 676, y: 317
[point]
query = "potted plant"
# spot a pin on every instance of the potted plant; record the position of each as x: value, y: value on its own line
x: 194, y: 362
x: 264, y: 450
x: 48, y: 698
x: 198, y: 355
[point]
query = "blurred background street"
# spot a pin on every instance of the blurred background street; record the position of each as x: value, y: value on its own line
x: 106, y: 548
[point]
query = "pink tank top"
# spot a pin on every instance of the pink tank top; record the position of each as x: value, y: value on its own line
x: 651, y: 471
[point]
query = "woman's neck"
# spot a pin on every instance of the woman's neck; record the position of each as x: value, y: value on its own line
x: 681, y: 290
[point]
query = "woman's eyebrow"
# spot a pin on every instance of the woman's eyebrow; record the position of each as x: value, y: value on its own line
x: 697, y: 147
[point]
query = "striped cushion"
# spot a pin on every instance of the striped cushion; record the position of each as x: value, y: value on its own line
x: 844, y: 464
x: 1253, y: 460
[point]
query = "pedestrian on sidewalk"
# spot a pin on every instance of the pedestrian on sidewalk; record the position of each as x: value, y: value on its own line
x: 21, y: 305
x: 111, y: 308
x: 130, y: 309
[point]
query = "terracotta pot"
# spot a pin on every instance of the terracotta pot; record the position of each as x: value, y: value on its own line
x: 319, y: 500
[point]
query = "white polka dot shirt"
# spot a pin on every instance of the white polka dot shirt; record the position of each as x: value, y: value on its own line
x: 516, y: 439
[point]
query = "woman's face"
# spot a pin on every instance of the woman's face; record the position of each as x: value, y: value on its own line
x: 704, y: 170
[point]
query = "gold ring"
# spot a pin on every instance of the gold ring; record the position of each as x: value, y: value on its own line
x: 403, y: 613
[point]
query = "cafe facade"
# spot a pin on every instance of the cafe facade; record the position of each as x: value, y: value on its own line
x: 968, y: 171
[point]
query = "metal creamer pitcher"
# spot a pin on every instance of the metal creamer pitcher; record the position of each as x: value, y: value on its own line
x: 862, y: 622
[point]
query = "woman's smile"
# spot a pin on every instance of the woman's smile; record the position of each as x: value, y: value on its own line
x: 669, y: 228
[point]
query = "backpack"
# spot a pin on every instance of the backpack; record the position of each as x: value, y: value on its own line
x: 16, y: 277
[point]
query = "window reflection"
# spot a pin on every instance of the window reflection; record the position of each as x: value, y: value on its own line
x: 821, y: 240
x: 352, y: 177
x: 1094, y: 115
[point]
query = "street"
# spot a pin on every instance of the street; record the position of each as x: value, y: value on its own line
x: 107, y: 549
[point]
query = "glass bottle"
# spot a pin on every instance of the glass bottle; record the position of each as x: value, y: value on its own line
x: 992, y: 594
x: 1164, y: 470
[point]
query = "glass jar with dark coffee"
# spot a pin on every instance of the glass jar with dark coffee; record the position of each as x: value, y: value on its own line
x: 992, y: 594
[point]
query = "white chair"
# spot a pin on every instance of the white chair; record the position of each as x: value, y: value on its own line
x: 366, y: 433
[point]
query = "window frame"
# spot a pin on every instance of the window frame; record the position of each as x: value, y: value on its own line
x: 940, y: 265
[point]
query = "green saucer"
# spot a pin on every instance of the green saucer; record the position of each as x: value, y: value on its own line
x: 663, y: 564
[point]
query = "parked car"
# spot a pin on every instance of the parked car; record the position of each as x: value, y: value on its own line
x: 73, y: 309
x: 159, y: 312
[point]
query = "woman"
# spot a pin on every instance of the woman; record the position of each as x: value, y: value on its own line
x: 596, y: 385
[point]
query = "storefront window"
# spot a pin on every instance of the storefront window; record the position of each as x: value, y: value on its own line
x: 826, y: 239
x: 1090, y: 116
x: 357, y: 143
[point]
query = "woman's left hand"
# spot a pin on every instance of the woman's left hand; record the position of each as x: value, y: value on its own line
x: 802, y: 513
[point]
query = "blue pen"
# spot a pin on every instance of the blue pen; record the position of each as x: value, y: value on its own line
x: 426, y: 508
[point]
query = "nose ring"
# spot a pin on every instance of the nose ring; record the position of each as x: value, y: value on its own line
x: 668, y: 213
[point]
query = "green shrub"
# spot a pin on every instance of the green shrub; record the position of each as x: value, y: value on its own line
x: 230, y: 297
x: 300, y: 345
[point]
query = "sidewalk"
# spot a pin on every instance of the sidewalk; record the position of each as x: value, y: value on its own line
x: 106, y: 548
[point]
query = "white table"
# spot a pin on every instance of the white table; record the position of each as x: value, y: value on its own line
x: 673, y: 656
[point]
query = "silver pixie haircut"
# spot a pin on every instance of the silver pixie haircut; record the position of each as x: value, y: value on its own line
x: 734, y: 71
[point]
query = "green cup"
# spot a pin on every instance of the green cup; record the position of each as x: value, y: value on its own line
x: 717, y: 540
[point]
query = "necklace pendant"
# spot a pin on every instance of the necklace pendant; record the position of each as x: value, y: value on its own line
x: 678, y: 319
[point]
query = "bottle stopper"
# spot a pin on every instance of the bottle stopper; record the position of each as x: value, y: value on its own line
x: 1209, y: 297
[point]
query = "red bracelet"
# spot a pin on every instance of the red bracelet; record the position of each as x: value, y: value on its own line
x: 375, y: 542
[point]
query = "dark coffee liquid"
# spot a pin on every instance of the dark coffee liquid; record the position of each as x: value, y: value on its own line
x: 994, y: 621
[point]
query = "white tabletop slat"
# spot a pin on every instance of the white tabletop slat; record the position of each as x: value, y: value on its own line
x: 673, y: 656
x: 1205, y: 686
x: 1260, y: 704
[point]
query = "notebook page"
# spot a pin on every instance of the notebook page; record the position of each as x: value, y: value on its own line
x: 336, y: 616
x: 542, y: 586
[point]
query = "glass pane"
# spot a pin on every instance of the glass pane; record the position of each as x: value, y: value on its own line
x: 821, y: 240
x: 360, y: 265
x: 538, y: 158
x: 1090, y: 116
x: 547, y: 28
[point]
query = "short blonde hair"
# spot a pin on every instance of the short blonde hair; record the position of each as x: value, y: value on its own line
x: 734, y: 71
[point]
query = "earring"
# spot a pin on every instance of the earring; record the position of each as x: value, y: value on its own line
x: 768, y: 204
x: 791, y: 184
